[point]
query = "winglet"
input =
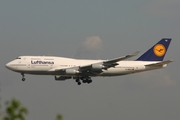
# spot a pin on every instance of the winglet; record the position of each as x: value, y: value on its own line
x: 157, y: 52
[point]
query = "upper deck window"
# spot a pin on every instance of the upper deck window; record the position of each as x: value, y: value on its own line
x: 18, y: 58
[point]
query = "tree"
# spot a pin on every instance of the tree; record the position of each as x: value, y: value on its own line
x: 59, y: 117
x: 15, y: 110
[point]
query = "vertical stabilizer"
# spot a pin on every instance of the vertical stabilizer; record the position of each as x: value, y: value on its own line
x: 157, y: 52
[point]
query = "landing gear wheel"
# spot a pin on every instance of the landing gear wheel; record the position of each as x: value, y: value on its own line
x: 79, y: 83
x: 23, y: 79
x: 84, y: 81
x: 77, y: 80
x: 89, y: 81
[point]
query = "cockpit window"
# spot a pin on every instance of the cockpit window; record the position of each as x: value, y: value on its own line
x: 18, y: 58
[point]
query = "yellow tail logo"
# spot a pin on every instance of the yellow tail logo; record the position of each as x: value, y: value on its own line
x: 159, y: 50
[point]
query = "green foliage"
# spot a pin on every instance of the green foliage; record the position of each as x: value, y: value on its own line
x: 59, y: 117
x: 15, y: 110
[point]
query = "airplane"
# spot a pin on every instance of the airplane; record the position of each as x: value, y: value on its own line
x: 82, y: 70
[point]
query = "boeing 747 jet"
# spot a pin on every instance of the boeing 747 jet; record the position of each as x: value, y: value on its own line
x: 83, y: 70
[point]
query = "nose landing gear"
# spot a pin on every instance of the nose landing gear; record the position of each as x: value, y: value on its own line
x: 23, y: 78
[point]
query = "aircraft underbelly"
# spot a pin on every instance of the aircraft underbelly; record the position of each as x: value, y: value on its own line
x: 116, y: 71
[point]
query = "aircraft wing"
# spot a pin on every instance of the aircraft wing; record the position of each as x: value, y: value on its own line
x: 95, y: 68
x: 160, y: 63
x: 107, y: 63
x: 121, y: 58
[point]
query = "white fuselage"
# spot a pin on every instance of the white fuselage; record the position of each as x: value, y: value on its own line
x: 43, y: 65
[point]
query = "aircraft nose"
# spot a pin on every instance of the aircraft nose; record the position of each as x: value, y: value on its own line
x: 8, y: 65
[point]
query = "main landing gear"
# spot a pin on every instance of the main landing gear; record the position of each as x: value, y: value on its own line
x: 23, y: 78
x: 84, y: 80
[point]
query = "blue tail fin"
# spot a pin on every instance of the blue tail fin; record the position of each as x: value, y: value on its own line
x: 157, y: 52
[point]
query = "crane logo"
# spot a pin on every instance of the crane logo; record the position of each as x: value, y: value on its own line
x: 159, y: 50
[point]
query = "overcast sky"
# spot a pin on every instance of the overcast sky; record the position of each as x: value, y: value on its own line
x: 94, y: 29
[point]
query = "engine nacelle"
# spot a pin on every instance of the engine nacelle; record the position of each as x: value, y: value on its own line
x: 71, y: 71
x: 62, y: 78
x: 97, y: 67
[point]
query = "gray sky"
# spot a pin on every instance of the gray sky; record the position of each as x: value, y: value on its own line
x: 115, y: 28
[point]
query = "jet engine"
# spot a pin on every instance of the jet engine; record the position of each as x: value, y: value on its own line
x: 71, y: 71
x: 62, y: 78
x: 97, y: 67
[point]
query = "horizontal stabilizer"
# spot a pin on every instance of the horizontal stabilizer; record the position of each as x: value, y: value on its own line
x: 160, y: 63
